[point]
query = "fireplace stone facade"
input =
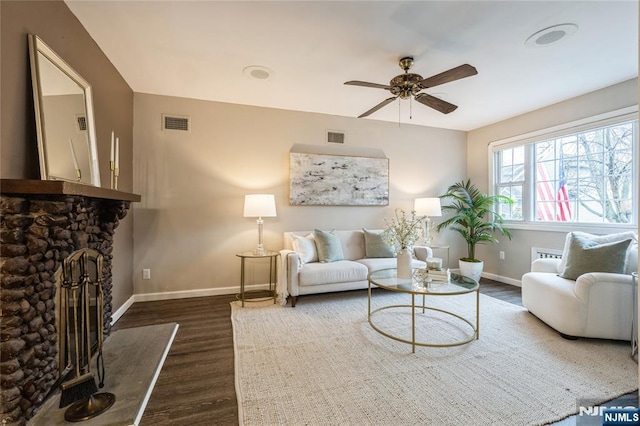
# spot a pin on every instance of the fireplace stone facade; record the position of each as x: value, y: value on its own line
x: 37, y: 232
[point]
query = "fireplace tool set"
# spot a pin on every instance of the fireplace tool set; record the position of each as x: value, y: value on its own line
x: 81, y: 391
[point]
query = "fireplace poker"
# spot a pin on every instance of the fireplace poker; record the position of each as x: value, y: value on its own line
x: 100, y: 294
x: 82, y: 386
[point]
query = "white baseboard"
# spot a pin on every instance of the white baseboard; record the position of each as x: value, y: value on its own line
x: 502, y: 279
x: 182, y: 294
x: 122, y: 309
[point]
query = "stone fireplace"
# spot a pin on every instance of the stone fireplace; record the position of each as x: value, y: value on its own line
x: 42, y: 223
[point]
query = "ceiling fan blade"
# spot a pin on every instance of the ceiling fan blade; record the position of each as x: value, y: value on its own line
x: 377, y: 107
x: 367, y: 84
x: 435, y: 103
x: 453, y: 74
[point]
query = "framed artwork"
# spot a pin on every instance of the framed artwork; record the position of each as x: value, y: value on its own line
x: 333, y: 180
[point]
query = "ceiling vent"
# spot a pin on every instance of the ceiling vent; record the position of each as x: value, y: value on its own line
x: 81, y: 122
x: 176, y: 122
x: 335, y: 137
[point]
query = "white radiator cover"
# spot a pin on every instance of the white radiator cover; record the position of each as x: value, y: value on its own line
x: 545, y: 253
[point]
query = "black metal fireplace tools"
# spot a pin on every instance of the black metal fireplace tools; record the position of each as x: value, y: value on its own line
x: 81, y: 271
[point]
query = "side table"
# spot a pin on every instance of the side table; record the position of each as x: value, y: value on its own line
x: 437, y: 247
x: 273, y: 271
x: 634, y: 324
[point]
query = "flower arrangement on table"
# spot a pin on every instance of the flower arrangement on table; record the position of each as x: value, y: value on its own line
x: 403, y: 231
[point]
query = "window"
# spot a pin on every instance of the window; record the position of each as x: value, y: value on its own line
x: 585, y: 174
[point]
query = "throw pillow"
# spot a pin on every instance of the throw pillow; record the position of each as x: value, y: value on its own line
x: 599, y: 239
x: 329, y: 246
x: 374, y: 245
x: 586, y: 255
x: 305, y: 246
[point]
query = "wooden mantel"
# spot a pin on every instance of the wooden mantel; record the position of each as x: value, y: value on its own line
x: 61, y: 187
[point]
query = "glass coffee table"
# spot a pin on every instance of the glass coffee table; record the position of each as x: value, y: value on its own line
x: 457, y: 284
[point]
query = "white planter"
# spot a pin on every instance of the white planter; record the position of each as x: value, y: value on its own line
x: 471, y: 269
x: 404, y: 264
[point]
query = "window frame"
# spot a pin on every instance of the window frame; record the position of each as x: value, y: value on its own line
x: 578, y: 126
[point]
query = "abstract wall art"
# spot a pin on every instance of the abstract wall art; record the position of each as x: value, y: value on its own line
x: 333, y: 180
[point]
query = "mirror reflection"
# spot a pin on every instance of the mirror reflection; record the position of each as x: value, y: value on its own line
x: 64, y: 118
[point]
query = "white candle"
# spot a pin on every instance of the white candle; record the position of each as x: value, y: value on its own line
x: 112, y: 148
x: 117, y: 154
x: 73, y: 155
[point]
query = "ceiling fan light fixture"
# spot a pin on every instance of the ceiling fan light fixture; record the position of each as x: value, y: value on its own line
x: 258, y: 72
x: 410, y: 85
x: 551, y: 35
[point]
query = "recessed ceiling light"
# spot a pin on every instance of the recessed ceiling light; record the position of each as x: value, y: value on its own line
x: 551, y: 35
x: 258, y: 72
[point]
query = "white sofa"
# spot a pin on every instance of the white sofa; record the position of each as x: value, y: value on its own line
x: 595, y: 304
x: 298, y: 278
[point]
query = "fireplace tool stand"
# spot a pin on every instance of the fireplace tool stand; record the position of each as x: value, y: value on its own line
x: 77, y: 279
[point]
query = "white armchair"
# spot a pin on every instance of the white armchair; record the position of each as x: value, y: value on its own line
x: 595, y: 304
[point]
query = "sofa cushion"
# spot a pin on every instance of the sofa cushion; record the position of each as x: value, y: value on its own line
x: 599, y: 239
x: 586, y: 255
x: 329, y: 246
x: 329, y: 273
x: 374, y: 245
x: 305, y: 246
x: 632, y: 259
x: 375, y: 264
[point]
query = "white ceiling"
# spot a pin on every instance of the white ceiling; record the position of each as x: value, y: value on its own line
x: 198, y: 49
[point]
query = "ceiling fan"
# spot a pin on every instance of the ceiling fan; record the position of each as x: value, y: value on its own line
x: 406, y: 85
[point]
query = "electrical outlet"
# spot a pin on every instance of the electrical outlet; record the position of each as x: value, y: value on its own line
x: 501, y: 255
x: 146, y: 274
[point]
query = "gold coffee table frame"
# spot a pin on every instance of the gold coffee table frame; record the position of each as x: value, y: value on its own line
x: 386, y: 279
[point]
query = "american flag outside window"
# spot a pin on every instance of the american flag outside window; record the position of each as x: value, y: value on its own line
x: 564, y: 207
x: 552, y: 204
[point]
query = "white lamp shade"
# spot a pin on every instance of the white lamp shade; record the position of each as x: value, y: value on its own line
x: 427, y: 207
x: 259, y: 205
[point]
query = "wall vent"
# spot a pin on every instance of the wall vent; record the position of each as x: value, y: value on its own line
x: 545, y: 253
x: 81, y: 122
x: 176, y: 122
x: 335, y: 137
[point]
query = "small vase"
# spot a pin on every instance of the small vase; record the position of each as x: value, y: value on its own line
x: 404, y: 264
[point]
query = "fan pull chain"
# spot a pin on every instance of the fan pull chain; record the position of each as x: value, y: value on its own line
x: 410, y: 108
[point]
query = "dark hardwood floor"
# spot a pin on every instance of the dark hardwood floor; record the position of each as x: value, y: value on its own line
x: 196, y: 385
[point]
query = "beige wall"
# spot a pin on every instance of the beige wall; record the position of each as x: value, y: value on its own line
x: 518, y: 250
x: 189, y: 225
x: 113, y: 106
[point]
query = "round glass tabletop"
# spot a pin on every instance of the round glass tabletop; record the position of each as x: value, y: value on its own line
x: 436, y: 285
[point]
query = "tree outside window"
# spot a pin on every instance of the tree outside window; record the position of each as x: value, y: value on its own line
x: 584, y: 177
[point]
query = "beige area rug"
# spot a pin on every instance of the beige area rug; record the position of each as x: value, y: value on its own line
x: 321, y: 363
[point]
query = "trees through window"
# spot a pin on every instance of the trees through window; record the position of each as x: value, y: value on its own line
x: 584, y: 176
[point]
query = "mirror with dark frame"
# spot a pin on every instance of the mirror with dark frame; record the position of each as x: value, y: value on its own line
x: 64, y: 118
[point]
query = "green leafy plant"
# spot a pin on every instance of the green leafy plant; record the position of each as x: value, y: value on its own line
x: 475, y: 216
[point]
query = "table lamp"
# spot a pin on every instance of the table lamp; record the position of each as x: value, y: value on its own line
x: 429, y: 207
x: 259, y: 205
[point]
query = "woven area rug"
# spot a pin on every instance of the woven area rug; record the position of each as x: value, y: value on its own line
x: 321, y: 363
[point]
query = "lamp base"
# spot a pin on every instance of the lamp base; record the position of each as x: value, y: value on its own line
x: 428, y: 226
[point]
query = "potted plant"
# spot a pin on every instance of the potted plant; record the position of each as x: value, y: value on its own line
x: 475, y: 217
